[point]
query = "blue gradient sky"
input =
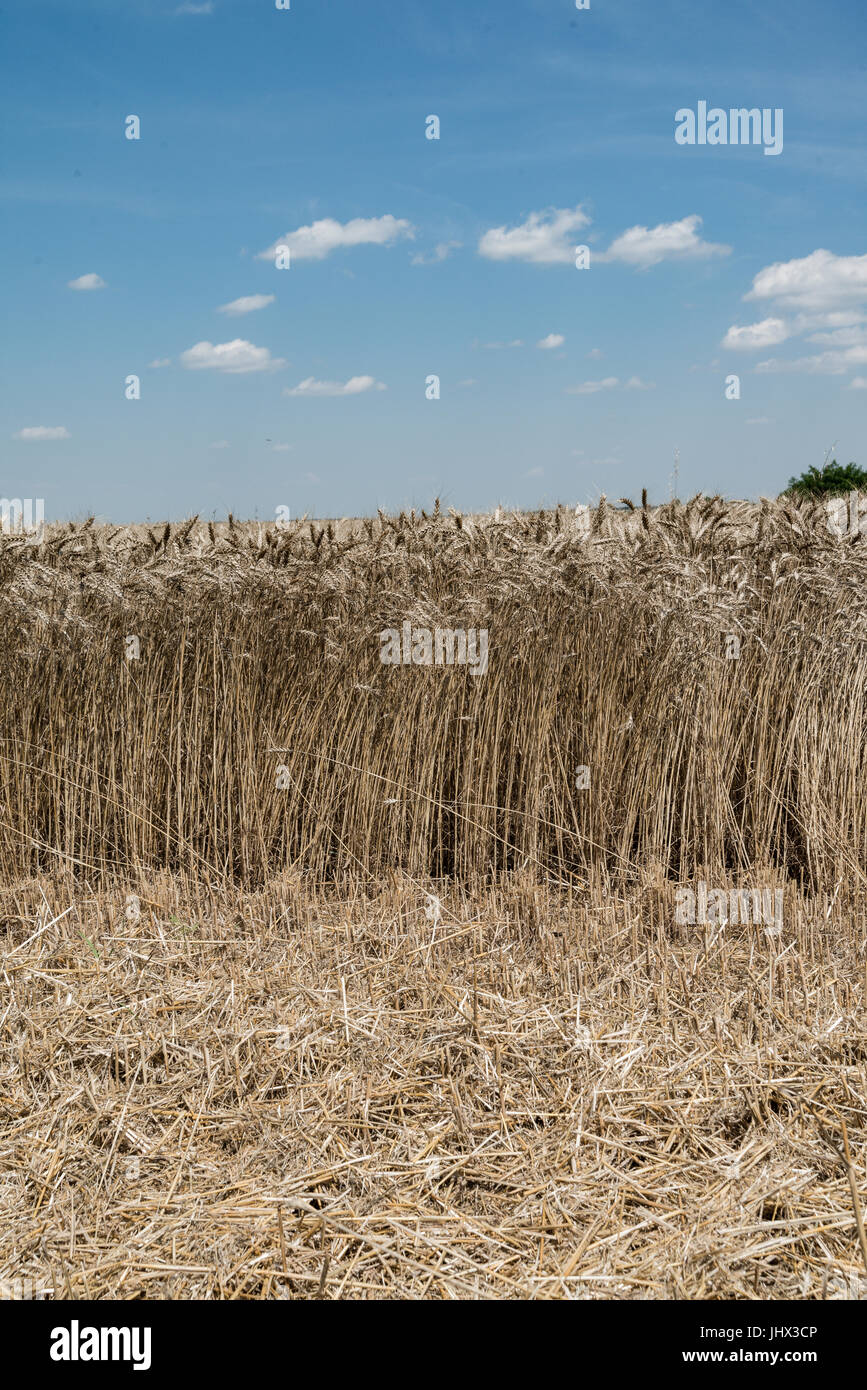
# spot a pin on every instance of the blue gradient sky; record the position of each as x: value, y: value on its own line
x: 257, y: 122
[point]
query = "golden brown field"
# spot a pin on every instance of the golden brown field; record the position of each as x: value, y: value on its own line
x: 323, y: 977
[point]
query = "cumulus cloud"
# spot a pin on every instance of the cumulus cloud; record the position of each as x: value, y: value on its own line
x: 40, y: 432
x: 355, y: 386
x: 754, y: 336
x: 646, y: 246
x: 594, y: 352
x: 317, y: 241
x: 826, y: 298
x: 546, y: 238
x: 160, y: 362
x: 636, y: 384
x: 589, y: 388
x: 247, y: 304
x: 858, y: 383
x: 818, y: 282
x: 439, y: 253
x: 553, y: 340
x: 236, y: 357
x: 87, y: 282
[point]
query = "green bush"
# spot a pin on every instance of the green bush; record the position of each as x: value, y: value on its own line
x: 834, y: 480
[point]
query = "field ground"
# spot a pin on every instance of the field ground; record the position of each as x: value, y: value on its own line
x: 527, y: 1093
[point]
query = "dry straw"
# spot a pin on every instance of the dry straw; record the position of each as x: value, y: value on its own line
x: 419, y: 1022
x: 260, y: 649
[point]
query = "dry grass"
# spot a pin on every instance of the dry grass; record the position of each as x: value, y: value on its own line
x: 531, y: 1097
x: 282, y: 1070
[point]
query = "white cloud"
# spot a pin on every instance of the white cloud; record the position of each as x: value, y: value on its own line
x: 547, y: 238
x: 544, y: 239
x: 281, y: 448
x: 160, y: 362
x: 819, y: 282
x: 756, y: 335
x: 220, y: 444
x: 858, y: 383
x: 647, y: 246
x: 553, y: 340
x: 813, y: 366
x: 536, y: 472
x: 589, y: 388
x: 852, y: 336
x: 247, y: 304
x: 823, y: 364
x: 594, y: 352
x: 834, y: 318
x: 235, y: 357
x: 87, y: 282
x: 39, y: 432
x: 318, y: 240
x: 355, y: 386
x: 516, y: 342
x: 608, y: 383
x: 439, y: 253
x: 827, y: 296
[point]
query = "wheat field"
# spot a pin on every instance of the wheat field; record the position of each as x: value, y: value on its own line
x: 330, y: 978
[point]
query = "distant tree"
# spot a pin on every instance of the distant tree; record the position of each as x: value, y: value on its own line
x: 834, y: 480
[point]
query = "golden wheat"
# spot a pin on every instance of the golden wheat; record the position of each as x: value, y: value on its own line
x: 259, y: 650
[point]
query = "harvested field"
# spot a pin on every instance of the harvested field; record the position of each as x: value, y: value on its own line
x: 527, y: 1096
x: 324, y: 978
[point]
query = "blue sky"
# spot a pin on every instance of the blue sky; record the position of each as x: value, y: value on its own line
x: 413, y: 257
